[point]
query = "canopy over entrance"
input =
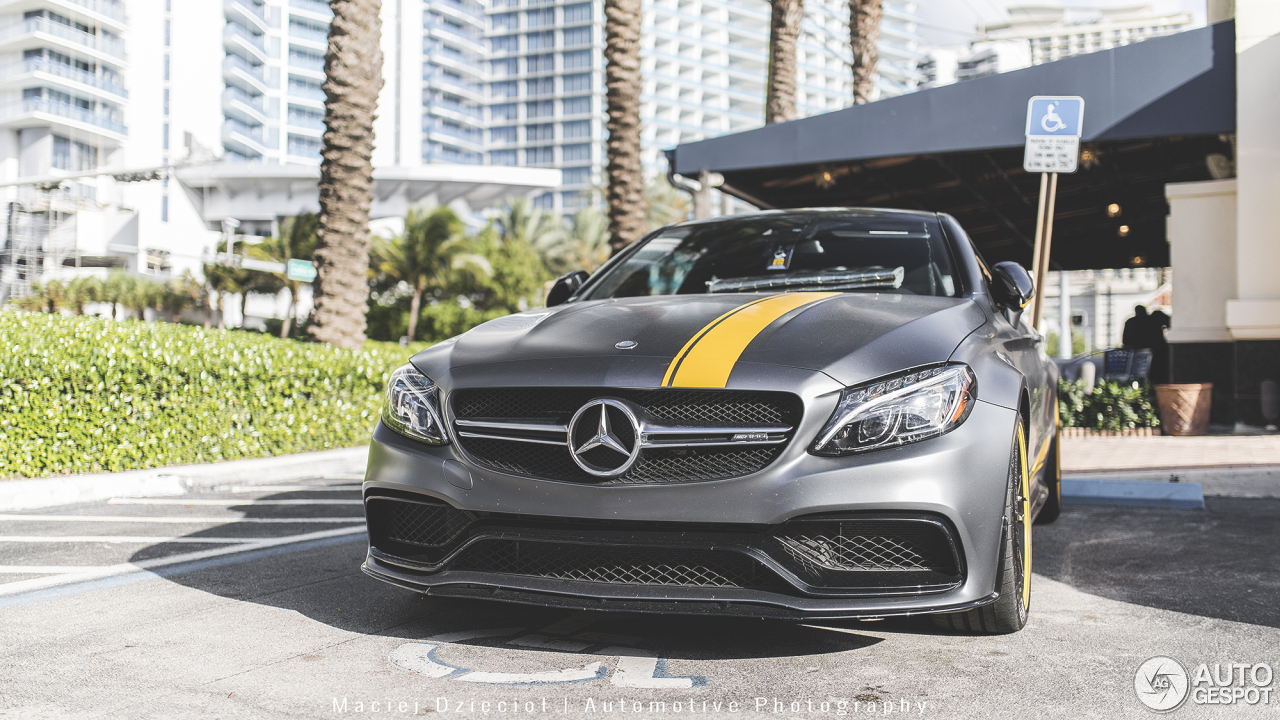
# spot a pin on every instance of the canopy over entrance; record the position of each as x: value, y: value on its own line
x: 1154, y: 113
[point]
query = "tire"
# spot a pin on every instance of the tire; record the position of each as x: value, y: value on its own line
x: 1008, y: 613
x: 1052, y: 507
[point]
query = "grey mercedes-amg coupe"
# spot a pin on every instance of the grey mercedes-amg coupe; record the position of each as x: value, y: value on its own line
x: 792, y: 414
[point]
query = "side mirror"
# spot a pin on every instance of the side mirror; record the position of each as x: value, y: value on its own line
x: 566, y: 285
x: 1011, y: 286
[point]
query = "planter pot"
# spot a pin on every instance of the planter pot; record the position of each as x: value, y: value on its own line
x: 1184, y: 409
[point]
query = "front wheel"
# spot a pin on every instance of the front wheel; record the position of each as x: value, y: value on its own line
x: 1009, y: 612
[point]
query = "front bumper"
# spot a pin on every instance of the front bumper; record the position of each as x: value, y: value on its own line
x: 958, y: 480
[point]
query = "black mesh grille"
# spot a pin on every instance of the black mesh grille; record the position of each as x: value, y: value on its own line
x: 683, y: 407
x: 868, y: 545
x: 414, y: 523
x: 616, y: 565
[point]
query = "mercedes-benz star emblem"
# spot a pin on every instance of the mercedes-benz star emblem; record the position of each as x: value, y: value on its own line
x: 604, y: 437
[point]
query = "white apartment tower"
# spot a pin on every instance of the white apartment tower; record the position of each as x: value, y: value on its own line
x: 704, y: 67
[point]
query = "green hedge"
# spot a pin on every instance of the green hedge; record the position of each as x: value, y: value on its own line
x: 1111, y: 405
x: 85, y: 394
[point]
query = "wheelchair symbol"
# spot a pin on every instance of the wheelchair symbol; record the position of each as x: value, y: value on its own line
x: 1051, y: 122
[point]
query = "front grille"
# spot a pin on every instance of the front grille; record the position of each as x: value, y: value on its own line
x: 617, y: 565
x: 859, y: 555
x: 868, y: 546
x: 691, y: 408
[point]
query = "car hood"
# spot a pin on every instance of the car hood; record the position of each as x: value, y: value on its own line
x: 851, y: 337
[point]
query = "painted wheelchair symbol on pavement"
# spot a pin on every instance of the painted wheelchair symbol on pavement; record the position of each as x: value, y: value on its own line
x: 636, y: 667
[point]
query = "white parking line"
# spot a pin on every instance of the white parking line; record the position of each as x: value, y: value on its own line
x: 125, y: 539
x: 124, y: 568
x: 231, y: 501
x: 173, y: 520
x: 47, y: 569
x: 292, y: 488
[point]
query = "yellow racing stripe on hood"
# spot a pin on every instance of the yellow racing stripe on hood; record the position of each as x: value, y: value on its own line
x: 709, y: 356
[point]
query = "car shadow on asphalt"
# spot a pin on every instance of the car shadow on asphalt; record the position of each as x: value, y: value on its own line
x: 1221, y: 562
x: 326, y: 584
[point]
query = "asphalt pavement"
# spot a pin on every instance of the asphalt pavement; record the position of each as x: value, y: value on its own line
x: 248, y: 601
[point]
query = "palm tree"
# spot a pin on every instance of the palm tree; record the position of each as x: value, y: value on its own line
x: 583, y: 245
x: 622, y: 19
x: 353, y: 79
x: 520, y: 221
x: 222, y: 280
x: 432, y: 246
x: 784, y: 30
x: 864, y: 33
x: 82, y: 291
x: 295, y: 241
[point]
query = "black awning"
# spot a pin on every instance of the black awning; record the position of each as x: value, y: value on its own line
x: 1154, y: 112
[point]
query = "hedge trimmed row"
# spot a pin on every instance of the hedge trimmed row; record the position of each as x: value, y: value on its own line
x: 86, y: 394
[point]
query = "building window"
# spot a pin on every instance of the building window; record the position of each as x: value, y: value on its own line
x: 504, y: 89
x: 539, y: 156
x: 545, y: 201
x: 503, y: 111
x: 304, y: 146
x: 577, y: 13
x: 505, y: 67
x: 577, y: 106
x: 167, y: 32
x: 576, y: 129
x: 576, y: 176
x: 540, y: 86
x: 505, y: 43
x: 577, y: 83
x: 539, y: 109
x: 541, y: 64
x: 539, y: 133
x: 574, y: 200
x: 505, y: 135
x: 164, y: 208
x: 541, y: 40
x: 164, y: 137
x: 166, y: 68
x: 577, y: 36
x: 502, y: 157
x: 577, y: 60
x: 575, y: 153
x: 506, y: 21
x: 540, y: 18
x: 73, y: 155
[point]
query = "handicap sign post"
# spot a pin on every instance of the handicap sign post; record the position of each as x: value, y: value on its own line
x: 1054, y: 126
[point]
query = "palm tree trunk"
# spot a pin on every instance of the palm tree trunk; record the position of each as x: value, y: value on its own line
x: 353, y: 78
x: 287, y: 326
x: 784, y: 30
x: 222, y: 317
x: 244, y: 300
x: 414, y: 306
x: 627, y: 221
x: 864, y: 33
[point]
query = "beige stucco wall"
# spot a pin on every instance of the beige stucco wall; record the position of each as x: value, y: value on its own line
x: 1202, y: 234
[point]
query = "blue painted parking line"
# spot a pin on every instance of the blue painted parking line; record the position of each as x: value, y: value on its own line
x: 1179, y: 495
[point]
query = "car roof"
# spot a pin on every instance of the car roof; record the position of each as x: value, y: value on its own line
x: 814, y: 212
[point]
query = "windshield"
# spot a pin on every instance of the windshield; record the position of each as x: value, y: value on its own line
x: 853, y: 253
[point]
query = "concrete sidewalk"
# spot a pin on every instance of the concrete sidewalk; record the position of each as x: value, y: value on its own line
x: 177, y: 479
x: 1246, y: 466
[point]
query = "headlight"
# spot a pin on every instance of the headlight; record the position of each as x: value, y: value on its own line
x: 412, y: 407
x: 900, y: 410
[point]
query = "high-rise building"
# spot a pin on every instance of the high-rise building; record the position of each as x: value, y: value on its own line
x: 1039, y: 34
x: 142, y: 134
x: 704, y: 65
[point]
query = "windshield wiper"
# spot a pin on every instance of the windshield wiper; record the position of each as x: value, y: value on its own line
x: 839, y: 280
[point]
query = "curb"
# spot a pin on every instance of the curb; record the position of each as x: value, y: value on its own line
x: 177, y: 479
x: 1135, y: 493
x: 1259, y: 481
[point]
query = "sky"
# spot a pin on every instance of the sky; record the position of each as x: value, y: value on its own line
x: 953, y: 22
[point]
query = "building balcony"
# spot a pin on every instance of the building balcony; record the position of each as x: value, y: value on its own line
x: 243, y: 138
x: 236, y: 39
x: 306, y: 123
x: 318, y: 8
x: 108, y: 13
x: 61, y: 77
x: 42, y: 32
x: 474, y: 93
x: 247, y: 13
x: 309, y: 37
x: 305, y: 96
x: 306, y: 65
x: 43, y: 113
x: 240, y: 73
x: 242, y: 106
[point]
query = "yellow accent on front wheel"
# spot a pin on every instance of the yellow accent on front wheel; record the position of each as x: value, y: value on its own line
x: 1025, y: 499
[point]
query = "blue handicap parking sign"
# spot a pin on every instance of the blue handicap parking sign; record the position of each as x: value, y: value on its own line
x: 1055, y: 116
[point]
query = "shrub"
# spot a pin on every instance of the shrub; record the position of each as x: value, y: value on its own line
x: 1111, y: 406
x: 84, y: 394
